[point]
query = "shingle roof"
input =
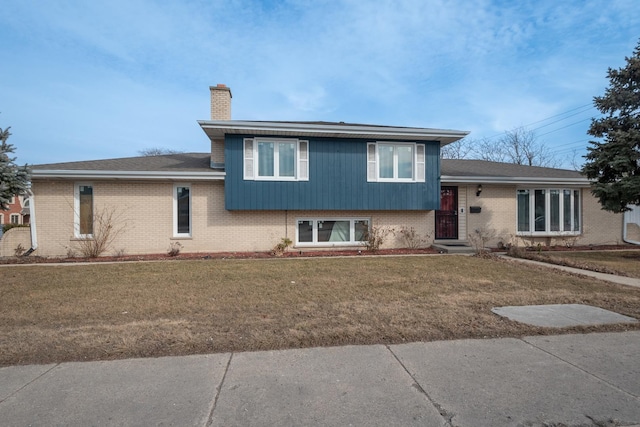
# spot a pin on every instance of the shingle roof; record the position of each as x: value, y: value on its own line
x: 481, y: 168
x: 199, y: 163
x: 182, y: 162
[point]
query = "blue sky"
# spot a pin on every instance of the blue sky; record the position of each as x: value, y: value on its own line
x: 83, y: 80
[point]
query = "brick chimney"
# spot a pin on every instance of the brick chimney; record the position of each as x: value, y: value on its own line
x: 220, y: 102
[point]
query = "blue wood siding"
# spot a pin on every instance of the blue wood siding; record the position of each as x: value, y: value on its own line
x: 337, y: 181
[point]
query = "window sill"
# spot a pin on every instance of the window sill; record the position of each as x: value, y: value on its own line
x: 329, y: 245
x: 181, y: 238
x: 548, y: 234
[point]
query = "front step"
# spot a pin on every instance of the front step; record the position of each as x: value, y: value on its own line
x: 454, y: 247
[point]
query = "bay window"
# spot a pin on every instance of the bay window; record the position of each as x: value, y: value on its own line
x: 548, y: 211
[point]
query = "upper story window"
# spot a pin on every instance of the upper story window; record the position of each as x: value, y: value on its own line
x: 272, y: 159
x: 548, y: 211
x: 395, y: 162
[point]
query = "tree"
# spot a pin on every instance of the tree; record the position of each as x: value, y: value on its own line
x: 13, y: 178
x: 614, y: 163
x: 518, y: 146
x: 459, y: 149
x: 156, y: 151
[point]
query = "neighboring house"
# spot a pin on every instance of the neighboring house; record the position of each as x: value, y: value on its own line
x: 18, y: 212
x: 322, y: 185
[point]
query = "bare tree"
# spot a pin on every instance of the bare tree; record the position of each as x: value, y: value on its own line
x: 461, y: 149
x: 518, y: 146
x: 157, y: 151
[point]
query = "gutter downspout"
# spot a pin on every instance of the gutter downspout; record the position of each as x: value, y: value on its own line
x: 32, y: 224
x: 629, y: 219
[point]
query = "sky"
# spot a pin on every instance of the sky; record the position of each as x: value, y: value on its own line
x: 86, y: 80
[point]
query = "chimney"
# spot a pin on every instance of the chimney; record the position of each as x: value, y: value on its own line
x: 220, y: 102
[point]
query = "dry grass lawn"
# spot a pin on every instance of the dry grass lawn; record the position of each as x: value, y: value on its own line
x: 626, y: 263
x: 109, y: 311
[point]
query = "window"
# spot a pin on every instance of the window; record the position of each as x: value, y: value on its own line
x: 83, y: 211
x: 555, y: 211
x: 182, y: 210
x: 276, y: 159
x: 14, y: 219
x: 332, y: 231
x: 395, y: 162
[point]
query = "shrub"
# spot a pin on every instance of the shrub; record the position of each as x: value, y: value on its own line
x: 280, y: 248
x: 174, y: 248
x: 412, y: 239
x: 107, y: 226
x: 375, y: 237
x: 480, y: 237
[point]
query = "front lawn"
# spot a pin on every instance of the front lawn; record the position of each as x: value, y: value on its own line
x: 108, y: 311
x: 625, y: 263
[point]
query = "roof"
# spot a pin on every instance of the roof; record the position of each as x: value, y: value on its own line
x: 170, y: 166
x: 217, y: 129
x: 197, y: 166
x: 481, y: 171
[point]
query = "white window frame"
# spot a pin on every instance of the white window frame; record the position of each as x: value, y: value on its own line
x: 418, y: 166
x: 547, y: 215
x: 18, y: 218
x: 76, y: 208
x: 316, y: 243
x: 175, y: 210
x: 251, y: 159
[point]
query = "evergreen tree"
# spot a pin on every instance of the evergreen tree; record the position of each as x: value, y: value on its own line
x: 14, y: 179
x: 614, y: 163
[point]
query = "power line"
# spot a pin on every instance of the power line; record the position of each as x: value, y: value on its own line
x: 551, y: 117
x: 564, y: 127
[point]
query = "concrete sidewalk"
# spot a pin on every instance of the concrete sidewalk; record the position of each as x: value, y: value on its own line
x: 572, y: 380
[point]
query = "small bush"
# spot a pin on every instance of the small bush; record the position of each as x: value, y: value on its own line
x: 174, y: 248
x: 19, y: 250
x: 412, y: 239
x: 375, y: 237
x: 280, y: 248
x: 480, y: 237
x: 107, y: 226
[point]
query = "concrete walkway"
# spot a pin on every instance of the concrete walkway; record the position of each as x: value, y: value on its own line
x: 621, y: 280
x: 566, y: 380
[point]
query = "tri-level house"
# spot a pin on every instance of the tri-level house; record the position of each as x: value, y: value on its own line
x: 322, y: 185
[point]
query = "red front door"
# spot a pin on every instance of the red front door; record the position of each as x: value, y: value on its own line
x: 447, y: 216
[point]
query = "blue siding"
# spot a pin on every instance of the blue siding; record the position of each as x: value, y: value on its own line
x: 337, y: 181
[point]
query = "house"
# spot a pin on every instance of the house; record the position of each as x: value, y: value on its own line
x: 322, y: 185
x: 18, y: 212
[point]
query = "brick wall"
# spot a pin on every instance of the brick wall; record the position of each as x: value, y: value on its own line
x: 13, y: 239
x: 145, y: 209
x: 498, y: 205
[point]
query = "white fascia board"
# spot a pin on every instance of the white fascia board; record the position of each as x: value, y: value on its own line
x: 218, y: 128
x: 583, y: 182
x: 151, y: 175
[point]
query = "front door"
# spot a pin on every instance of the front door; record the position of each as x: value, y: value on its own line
x: 447, y: 216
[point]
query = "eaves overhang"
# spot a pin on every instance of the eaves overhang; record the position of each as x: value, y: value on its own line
x: 581, y: 182
x: 219, y: 128
x: 131, y: 175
